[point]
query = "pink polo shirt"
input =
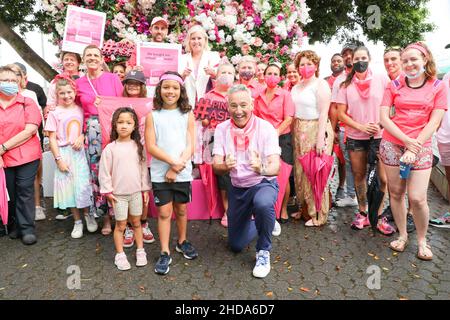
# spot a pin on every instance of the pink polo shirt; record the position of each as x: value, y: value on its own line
x: 264, y: 140
x: 108, y: 84
x: 254, y: 86
x: 12, y: 121
x: 363, y: 110
x: 277, y: 110
x: 413, y: 106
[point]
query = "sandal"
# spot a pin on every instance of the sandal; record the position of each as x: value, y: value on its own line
x: 310, y: 223
x: 399, y: 245
x: 422, y: 247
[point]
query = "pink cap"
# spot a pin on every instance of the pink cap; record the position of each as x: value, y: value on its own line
x: 159, y: 19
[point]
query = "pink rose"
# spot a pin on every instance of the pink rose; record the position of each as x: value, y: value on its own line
x: 270, y: 46
x: 245, y: 49
x: 258, y: 42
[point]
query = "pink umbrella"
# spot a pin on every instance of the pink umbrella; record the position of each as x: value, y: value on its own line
x: 282, y: 179
x: 317, y: 169
x: 210, y: 183
x: 3, y: 199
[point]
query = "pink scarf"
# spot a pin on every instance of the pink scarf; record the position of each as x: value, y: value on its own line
x: 363, y: 86
x: 241, y: 137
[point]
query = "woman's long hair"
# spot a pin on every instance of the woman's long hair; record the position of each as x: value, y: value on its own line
x: 350, y: 76
x: 135, y: 135
x: 183, y: 101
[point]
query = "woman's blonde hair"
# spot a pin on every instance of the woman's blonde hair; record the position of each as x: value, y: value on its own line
x: 16, y: 69
x: 192, y: 30
x: 430, y: 66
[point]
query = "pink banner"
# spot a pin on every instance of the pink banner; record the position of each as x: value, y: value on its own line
x: 83, y: 27
x: 157, y: 58
x: 108, y: 105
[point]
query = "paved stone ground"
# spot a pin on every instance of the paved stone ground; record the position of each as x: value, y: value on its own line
x: 324, y: 263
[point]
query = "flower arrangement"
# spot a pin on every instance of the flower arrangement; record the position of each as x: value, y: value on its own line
x: 269, y: 30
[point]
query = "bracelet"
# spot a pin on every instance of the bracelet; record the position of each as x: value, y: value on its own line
x: 58, y: 158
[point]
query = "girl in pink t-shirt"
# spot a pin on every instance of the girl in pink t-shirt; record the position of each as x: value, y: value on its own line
x: 420, y: 101
x: 71, y: 186
x: 358, y: 104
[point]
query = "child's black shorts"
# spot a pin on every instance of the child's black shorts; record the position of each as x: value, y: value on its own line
x: 164, y: 192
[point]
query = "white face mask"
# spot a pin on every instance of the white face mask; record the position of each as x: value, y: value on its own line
x: 225, y: 80
x: 417, y: 75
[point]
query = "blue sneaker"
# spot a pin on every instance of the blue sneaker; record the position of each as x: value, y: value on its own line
x: 162, y: 266
x: 187, y: 250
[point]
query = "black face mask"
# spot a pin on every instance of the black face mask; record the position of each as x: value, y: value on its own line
x: 361, y: 66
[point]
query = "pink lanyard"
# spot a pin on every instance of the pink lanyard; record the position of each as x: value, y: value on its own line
x: 93, y: 89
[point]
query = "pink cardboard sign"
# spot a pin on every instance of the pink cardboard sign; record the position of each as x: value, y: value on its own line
x: 157, y: 58
x: 83, y: 27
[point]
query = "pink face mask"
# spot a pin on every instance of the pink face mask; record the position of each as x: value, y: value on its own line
x: 272, y: 81
x: 307, y: 71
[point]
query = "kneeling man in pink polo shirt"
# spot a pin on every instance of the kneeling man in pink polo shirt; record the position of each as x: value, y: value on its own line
x: 247, y: 147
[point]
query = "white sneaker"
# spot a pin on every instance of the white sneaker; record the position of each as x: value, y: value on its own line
x: 91, y: 224
x: 262, y: 266
x: 77, y: 231
x: 121, y: 262
x: 63, y: 216
x: 347, y: 202
x: 40, y: 214
x: 276, y: 229
x: 141, y: 258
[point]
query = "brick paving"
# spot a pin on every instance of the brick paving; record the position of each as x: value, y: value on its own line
x: 323, y: 263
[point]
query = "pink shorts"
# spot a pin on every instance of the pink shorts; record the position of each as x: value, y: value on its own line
x: 444, y: 151
x: 390, y: 154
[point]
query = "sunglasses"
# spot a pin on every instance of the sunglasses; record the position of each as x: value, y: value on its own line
x: 394, y: 48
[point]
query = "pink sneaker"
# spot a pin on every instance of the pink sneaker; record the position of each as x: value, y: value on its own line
x: 384, y: 227
x: 361, y: 220
x: 128, y: 238
x: 147, y: 233
x: 121, y: 262
x: 224, y: 221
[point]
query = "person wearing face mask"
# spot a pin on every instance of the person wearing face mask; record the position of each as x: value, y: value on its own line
x: 345, y: 197
x: 217, y: 98
x: 275, y: 105
x: 247, y: 72
x: 420, y: 101
x: 312, y: 130
x: 198, y: 65
x: 20, y: 154
x: 358, y: 103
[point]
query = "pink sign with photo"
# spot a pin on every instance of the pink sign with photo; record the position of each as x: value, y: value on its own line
x: 157, y: 58
x: 83, y: 27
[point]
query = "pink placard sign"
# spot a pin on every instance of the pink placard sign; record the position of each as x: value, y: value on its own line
x: 83, y: 27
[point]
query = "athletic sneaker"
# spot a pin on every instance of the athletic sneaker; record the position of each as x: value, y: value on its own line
x: 63, y: 214
x: 262, y: 266
x: 128, y: 237
x: 410, y: 226
x: 162, y: 266
x: 441, y: 222
x: 384, y: 227
x: 361, y: 220
x: 91, y: 224
x: 147, y: 233
x: 77, y: 231
x: 340, y: 194
x: 276, y: 229
x: 141, y: 258
x: 121, y: 262
x: 40, y: 214
x: 347, y: 202
x: 187, y: 250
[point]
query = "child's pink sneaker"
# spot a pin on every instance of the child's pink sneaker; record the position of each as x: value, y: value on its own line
x: 141, y: 258
x: 384, y: 227
x: 121, y: 262
x: 128, y: 238
x: 361, y: 220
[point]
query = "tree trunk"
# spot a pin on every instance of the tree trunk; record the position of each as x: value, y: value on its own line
x: 27, y: 54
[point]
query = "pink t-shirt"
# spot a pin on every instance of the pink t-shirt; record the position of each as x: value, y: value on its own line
x: 13, y: 120
x: 219, y: 103
x: 67, y: 123
x: 363, y: 110
x: 108, y: 84
x: 277, y: 110
x: 443, y: 135
x: 121, y: 172
x: 263, y: 139
x: 413, y: 107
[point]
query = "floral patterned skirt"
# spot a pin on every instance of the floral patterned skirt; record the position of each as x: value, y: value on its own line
x: 390, y: 154
x: 304, y: 136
